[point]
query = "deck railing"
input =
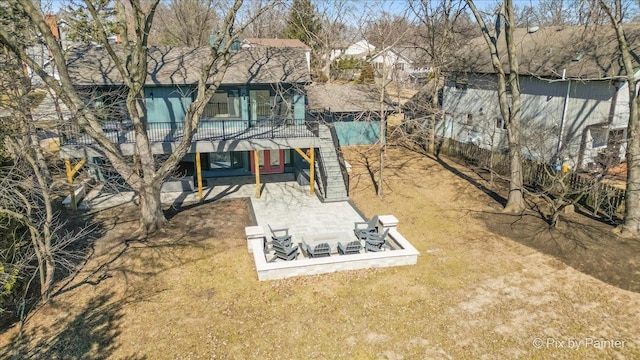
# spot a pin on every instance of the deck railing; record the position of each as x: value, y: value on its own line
x: 216, y: 130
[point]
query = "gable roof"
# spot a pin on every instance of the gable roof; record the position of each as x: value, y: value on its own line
x: 411, y: 54
x: 584, y: 52
x: 91, y: 65
x: 344, y: 98
x: 277, y: 43
x: 392, y: 50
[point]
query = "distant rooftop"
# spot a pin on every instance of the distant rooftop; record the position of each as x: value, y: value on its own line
x: 584, y: 52
x: 277, y: 43
x: 344, y: 98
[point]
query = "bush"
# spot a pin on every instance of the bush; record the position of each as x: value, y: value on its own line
x: 367, y: 75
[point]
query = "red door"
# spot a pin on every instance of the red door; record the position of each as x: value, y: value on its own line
x: 271, y: 161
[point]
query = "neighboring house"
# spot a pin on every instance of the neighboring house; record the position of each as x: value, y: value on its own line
x: 258, y: 110
x: 407, y: 66
x: 279, y: 43
x: 353, y: 110
x: 358, y: 50
x: 420, y: 106
x: 60, y: 29
x: 574, y: 105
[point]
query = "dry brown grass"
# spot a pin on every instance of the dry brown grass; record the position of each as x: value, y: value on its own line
x: 192, y: 293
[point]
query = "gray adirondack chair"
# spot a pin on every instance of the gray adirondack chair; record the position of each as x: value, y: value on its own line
x: 362, y: 228
x: 280, y: 235
x: 320, y: 250
x: 374, y: 242
x: 286, y: 253
x: 352, y: 247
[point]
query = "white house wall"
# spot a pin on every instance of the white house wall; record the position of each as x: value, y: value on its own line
x: 391, y: 59
x: 360, y: 49
x: 542, y: 108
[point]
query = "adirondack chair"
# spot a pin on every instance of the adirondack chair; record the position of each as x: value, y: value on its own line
x: 352, y: 247
x: 280, y: 235
x: 374, y: 242
x: 362, y: 228
x: 320, y: 250
x: 286, y: 253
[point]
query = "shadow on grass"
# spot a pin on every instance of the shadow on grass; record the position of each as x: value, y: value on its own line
x: 73, y: 245
x: 494, y: 195
x: 91, y: 334
x: 581, y: 241
x: 584, y: 244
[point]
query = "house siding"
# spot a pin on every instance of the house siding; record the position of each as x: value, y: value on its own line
x: 357, y: 132
x: 167, y: 104
x: 472, y: 114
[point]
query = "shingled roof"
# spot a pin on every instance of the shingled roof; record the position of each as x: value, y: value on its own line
x: 344, y: 98
x: 179, y: 65
x: 585, y: 52
x: 277, y: 43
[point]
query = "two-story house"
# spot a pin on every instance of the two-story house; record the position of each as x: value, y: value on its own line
x: 254, y: 124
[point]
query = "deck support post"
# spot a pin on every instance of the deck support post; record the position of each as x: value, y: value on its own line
x: 70, y: 173
x: 312, y: 170
x: 310, y: 158
x: 199, y: 175
x: 256, y: 162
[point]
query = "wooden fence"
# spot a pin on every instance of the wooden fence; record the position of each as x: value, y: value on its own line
x: 600, y: 198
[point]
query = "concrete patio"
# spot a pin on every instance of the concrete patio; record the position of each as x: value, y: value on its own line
x: 286, y: 204
x: 281, y: 204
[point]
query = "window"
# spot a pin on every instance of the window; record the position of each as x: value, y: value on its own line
x: 223, y: 104
x: 469, y: 119
x: 400, y: 66
x: 268, y: 103
x: 225, y: 160
x: 283, y: 105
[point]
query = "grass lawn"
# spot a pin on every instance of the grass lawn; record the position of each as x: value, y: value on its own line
x: 192, y: 292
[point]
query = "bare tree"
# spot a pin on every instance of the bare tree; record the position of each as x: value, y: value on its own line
x: 131, y: 63
x: 510, y: 109
x: 384, y: 28
x: 631, y: 225
x: 27, y: 187
x: 185, y: 23
x: 333, y: 17
x: 444, y: 27
x: 269, y: 19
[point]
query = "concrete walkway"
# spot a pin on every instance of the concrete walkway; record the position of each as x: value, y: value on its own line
x: 282, y: 204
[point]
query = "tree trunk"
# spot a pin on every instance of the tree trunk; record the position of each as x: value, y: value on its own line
x: 515, y: 200
x: 434, y: 108
x: 50, y: 268
x: 383, y: 127
x: 631, y: 225
x: 151, y: 214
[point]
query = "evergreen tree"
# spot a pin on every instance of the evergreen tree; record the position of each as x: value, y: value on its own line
x: 84, y: 27
x: 367, y: 75
x: 303, y: 23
